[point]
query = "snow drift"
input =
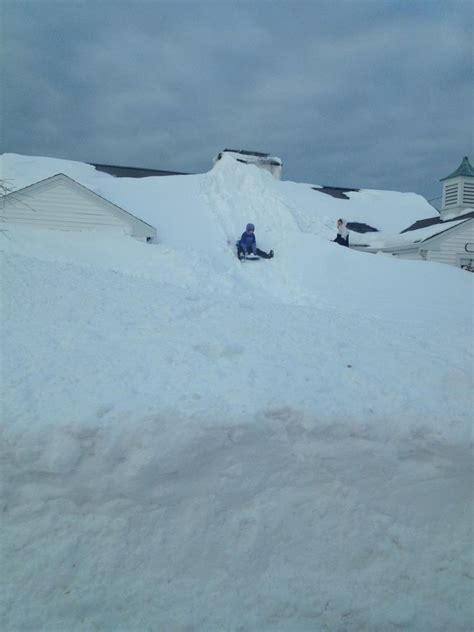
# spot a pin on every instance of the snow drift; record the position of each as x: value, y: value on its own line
x: 192, y: 443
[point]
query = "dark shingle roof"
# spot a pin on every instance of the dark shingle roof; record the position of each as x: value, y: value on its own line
x: 336, y: 192
x: 431, y: 221
x: 359, y: 227
x: 245, y: 152
x: 443, y: 230
x: 134, y: 172
x: 258, y: 154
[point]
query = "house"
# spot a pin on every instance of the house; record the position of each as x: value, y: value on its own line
x: 451, y: 242
x: 61, y: 203
x: 446, y: 238
x: 263, y: 161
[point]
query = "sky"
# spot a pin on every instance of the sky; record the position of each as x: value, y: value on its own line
x: 356, y: 93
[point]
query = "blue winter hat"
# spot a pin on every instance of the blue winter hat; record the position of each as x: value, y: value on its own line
x: 250, y: 227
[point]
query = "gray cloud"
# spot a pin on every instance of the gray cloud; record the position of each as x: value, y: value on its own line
x: 370, y: 94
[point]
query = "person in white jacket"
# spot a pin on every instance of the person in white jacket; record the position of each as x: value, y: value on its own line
x: 342, y: 236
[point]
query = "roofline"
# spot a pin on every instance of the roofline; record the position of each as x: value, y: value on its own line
x: 452, y: 177
x: 247, y: 152
x: 414, y: 245
x: 89, y: 191
x: 410, y: 229
x: 438, y: 220
x: 375, y: 249
x: 464, y: 163
x: 164, y: 171
x: 441, y: 232
x: 265, y: 158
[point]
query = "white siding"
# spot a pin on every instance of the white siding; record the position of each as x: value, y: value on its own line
x: 451, y: 194
x: 468, y: 194
x: 451, y: 246
x: 58, y: 205
x: 408, y: 254
x: 458, y: 195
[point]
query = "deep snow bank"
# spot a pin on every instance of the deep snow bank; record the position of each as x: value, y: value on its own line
x: 177, y: 337
x: 166, y: 522
x: 190, y: 443
x: 232, y: 193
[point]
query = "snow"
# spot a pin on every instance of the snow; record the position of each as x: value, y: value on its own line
x: 192, y: 443
x: 388, y: 211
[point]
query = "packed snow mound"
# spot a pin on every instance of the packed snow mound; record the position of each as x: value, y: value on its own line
x: 236, y: 193
x: 293, y: 436
x: 198, y: 219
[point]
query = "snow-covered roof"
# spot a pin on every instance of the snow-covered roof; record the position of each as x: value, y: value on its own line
x: 250, y: 157
x: 423, y: 223
x: 413, y: 237
x: 388, y: 212
x: 134, y: 172
x: 63, y: 178
x: 336, y: 192
x: 274, y: 205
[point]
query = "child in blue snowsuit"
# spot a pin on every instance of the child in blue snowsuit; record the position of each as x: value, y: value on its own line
x: 248, y: 245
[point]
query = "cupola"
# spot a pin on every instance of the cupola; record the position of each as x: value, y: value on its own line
x: 458, y: 190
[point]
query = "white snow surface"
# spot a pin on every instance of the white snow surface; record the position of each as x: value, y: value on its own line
x: 192, y: 443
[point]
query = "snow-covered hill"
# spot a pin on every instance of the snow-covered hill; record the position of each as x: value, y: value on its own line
x: 193, y: 443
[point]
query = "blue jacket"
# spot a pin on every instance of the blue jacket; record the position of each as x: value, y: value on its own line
x: 248, y: 242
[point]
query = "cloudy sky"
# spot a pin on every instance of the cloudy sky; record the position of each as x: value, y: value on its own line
x: 363, y: 93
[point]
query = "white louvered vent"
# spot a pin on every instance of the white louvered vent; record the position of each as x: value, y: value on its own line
x: 451, y: 194
x: 468, y: 193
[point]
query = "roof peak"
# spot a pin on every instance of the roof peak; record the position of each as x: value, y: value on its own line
x: 464, y: 169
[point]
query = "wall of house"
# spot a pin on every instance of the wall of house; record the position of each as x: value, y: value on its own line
x: 408, y: 254
x: 63, y: 205
x: 451, y: 247
x: 56, y: 205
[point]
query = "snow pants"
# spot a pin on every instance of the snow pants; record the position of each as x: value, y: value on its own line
x: 258, y: 252
x: 342, y: 241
